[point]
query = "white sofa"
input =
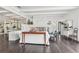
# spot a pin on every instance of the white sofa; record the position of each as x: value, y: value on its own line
x: 14, y: 35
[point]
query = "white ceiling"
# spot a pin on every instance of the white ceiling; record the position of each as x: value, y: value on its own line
x: 22, y: 11
x: 35, y: 10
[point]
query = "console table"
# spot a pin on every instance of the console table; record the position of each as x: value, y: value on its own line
x: 23, y: 36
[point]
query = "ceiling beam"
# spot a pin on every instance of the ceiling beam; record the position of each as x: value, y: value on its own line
x: 48, y: 9
x: 3, y: 11
x: 38, y: 13
x: 14, y: 10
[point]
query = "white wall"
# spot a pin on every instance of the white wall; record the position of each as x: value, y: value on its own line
x: 42, y: 20
x: 74, y: 16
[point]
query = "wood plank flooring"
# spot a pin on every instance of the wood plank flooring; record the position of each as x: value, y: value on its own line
x: 59, y: 46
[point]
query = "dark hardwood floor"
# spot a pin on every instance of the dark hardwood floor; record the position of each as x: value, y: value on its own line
x: 59, y: 46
